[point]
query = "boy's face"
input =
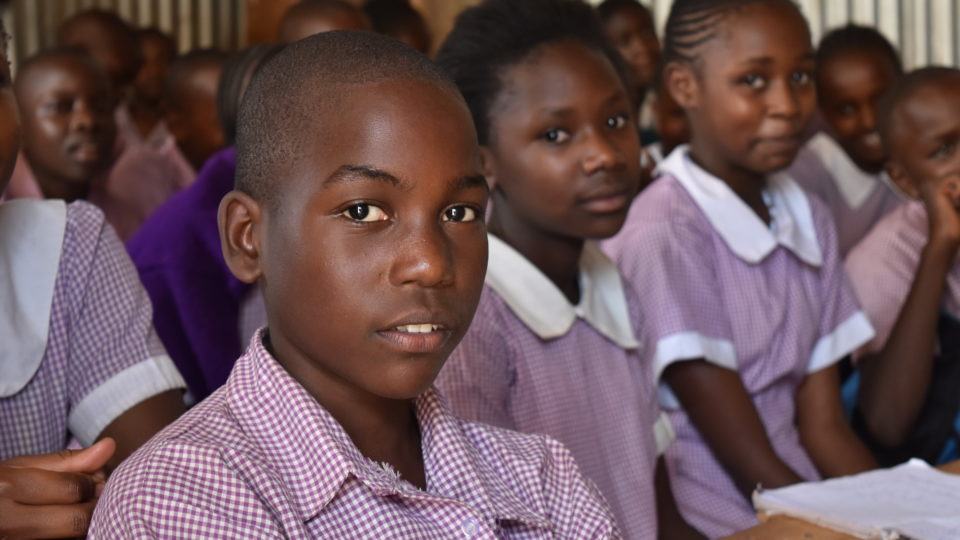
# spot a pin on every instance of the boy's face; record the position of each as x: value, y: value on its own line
x: 849, y: 85
x: 193, y: 120
x: 157, y: 57
x: 9, y: 122
x: 633, y: 34
x: 67, y: 112
x: 751, y: 94
x: 925, y: 141
x: 110, y: 49
x: 563, y: 149
x: 373, y: 254
x: 296, y: 28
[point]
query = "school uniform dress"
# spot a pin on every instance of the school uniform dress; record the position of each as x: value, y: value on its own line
x: 534, y: 362
x: 856, y: 199
x: 260, y: 458
x: 78, y: 344
x: 772, y: 303
x: 197, y: 301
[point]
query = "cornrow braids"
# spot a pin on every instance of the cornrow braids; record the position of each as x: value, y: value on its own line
x: 693, y: 23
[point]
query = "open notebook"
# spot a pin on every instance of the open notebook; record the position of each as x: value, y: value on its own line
x: 912, y: 500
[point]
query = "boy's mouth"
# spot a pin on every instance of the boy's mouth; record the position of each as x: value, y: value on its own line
x: 417, y: 328
x: 423, y: 338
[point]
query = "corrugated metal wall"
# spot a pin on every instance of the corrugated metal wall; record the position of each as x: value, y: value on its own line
x: 193, y: 23
x: 925, y: 31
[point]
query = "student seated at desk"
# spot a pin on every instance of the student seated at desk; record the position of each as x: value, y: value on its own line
x: 359, y: 210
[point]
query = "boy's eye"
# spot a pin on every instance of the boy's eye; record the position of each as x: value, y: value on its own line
x: 754, y: 81
x: 944, y: 150
x: 555, y: 136
x: 848, y: 110
x: 365, y: 213
x: 60, y: 106
x: 618, y: 121
x: 460, y: 214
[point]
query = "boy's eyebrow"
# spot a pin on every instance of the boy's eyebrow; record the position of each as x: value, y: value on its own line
x: 471, y: 181
x: 346, y: 173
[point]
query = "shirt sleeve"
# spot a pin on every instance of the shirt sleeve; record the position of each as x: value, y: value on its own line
x: 881, y: 274
x: 478, y: 376
x: 671, y: 267
x: 116, y: 360
x: 843, y: 326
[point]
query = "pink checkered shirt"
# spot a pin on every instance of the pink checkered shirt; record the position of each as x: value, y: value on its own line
x: 260, y: 458
x: 102, y: 355
x: 883, y: 266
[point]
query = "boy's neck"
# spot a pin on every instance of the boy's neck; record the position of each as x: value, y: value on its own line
x: 55, y: 188
x: 556, y: 256
x: 383, y: 430
x: 145, y: 116
x: 748, y: 185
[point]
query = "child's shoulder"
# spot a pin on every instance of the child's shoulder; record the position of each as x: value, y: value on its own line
x: 898, y: 236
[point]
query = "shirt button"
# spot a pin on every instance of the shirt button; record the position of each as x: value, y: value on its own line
x: 470, y: 527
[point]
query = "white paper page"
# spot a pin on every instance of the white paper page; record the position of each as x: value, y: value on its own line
x: 913, y: 499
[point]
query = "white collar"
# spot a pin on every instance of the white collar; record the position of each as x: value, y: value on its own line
x: 854, y: 184
x: 546, y: 311
x: 31, y: 241
x: 739, y: 226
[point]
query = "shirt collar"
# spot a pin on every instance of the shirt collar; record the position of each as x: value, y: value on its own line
x: 313, y: 454
x: 31, y: 238
x: 739, y: 226
x: 546, y: 311
x: 854, y: 184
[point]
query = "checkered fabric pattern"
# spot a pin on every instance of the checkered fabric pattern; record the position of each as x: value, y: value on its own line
x: 883, y: 266
x: 782, y: 317
x: 852, y: 224
x: 102, y: 355
x: 260, y: 458
x: 586, y: 391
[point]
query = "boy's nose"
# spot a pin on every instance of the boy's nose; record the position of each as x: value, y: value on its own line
x: 423, y: 258
x: 83, y: 117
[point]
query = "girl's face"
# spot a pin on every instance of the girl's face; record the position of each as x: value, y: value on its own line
x: 632, y: 32
x: 9, y: 122
x: 750, y: 94
x: 849, y: 85
x: 563, y: 155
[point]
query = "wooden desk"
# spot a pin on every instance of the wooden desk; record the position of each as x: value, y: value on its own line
x: 786, y: 527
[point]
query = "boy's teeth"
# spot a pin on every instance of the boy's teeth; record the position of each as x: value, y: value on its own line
x: 418, y: 328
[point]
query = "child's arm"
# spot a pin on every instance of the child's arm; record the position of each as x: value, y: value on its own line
x: 141, y: 422
x: 719, y: 406
x: 670, y: 524
x: 824, y: 431
x: 894, y: 382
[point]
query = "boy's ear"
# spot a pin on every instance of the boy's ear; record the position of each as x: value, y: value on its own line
x: 901, y: 179
x: 239, y: 222
x: 488, y: 165
x: 681, y: 81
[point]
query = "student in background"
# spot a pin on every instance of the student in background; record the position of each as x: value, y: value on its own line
x: 742, y: 286
x: 553, y: 348
x: 329, y: 426
x: 309, y: 17
x: 670, y: 121
x: 629, y: 25
x: 906, y: 275
x: 79, y: 358
x: 190, y: 105
x: 844, y: 165
x: 145, y: 107
x: 399, y: 20
x: 114, y: 45
x: 197, y: 301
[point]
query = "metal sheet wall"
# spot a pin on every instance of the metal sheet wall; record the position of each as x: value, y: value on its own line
x: 193, y: 23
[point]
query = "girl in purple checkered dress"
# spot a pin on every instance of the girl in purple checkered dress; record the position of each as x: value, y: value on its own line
x: 553, y: 348
x: 78, y: 358
x: 742, y: 287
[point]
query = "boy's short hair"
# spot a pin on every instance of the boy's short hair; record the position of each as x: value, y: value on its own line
x: 183, y: 66
x: 857, y: 38
x: 282, y: 106
x: 75, y: 54
x: 608, y: 8
x: 497, y: 34
x: 904, y: 89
